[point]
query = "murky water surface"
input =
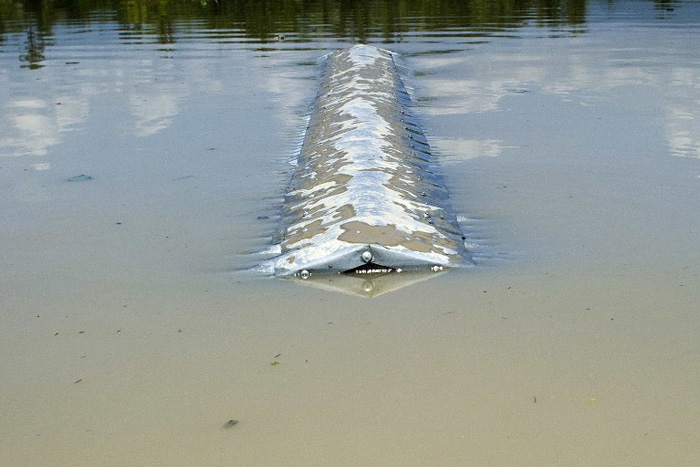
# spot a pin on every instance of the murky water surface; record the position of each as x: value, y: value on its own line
x: 144, y: 150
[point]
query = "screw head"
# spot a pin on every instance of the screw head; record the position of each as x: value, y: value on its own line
x: 366, y: 256
x: 304, y: 274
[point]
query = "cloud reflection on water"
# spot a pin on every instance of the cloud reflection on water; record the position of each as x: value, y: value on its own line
x: 31, y: 127
x: 576, y: 68
x: 153, y: 111
x: 474, y: 83
x: 456, y: 150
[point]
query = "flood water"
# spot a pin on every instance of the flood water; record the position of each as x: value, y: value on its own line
x: 144, y: 151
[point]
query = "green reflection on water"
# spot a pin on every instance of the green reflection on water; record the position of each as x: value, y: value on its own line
x: 298, y: 20
x: 264, y: 18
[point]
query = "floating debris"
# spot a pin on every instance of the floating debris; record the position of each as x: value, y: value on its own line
x: 231, y: 423
x: 80, y: 178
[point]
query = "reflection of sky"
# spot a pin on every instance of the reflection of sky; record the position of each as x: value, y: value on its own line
x: 39, y: 107
x: 33, y: 125
x: 683, y: 129
x: 153, y: 111
x: 683, y: 113
x: 30, y: 128
x: 642, y: 65
x: 456, y: 150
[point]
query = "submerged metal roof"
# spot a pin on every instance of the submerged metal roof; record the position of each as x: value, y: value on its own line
x: 364, y: 197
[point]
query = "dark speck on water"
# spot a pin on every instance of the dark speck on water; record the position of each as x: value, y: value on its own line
x: 80, y: 178
x: 231, y: 423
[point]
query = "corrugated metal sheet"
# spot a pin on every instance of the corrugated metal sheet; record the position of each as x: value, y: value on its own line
x: 364, y: 197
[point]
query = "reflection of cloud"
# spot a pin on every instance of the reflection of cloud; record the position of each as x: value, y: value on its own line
x: 682, y: 124
x: 33, y: 126
x: 683, y: 130
x: 478, y: 83
x: 32, y: 134
x: 291, y: 88
x: 70, y: 111
x: 463, y: 97
x: 156, y: 94
x: 455, y: 150
x: 28, y: 104
x: 201, y: 78
x: 153, y: 112
x: 152, y: 91
x: 483, y: 90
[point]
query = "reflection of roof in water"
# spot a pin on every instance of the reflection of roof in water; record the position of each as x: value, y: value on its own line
x: 367, y: 285
x: 365, y: 189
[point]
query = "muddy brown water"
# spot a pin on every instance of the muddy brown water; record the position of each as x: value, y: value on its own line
x: 132, y: 332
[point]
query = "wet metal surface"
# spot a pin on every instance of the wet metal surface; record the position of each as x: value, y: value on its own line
x: 365, y: 189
